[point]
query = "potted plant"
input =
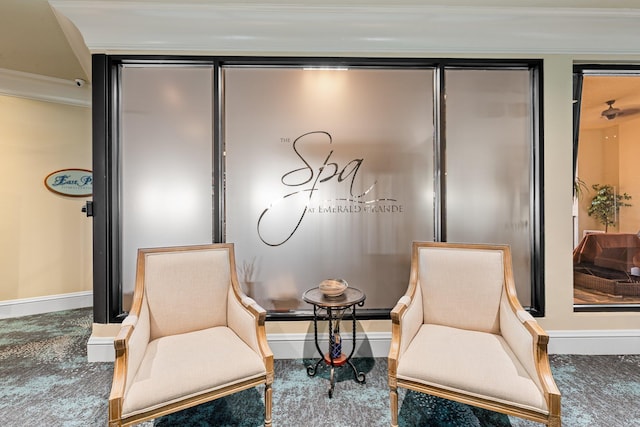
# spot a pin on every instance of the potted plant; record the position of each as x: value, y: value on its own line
x: 579, y: 187
x: 606, y: 204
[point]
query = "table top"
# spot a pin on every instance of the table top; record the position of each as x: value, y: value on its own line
x: 350, y: 297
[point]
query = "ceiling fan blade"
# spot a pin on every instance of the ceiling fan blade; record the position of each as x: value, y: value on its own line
x: 629, y: 111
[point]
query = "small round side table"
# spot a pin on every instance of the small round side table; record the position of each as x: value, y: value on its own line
x: 332, y: 310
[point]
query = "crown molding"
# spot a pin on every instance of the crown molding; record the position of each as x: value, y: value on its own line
x: 43, y: 88
x: 313, y: 27
x: 76, y: 42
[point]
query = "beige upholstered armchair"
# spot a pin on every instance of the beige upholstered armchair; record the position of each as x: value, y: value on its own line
x: 192, y: 336
x: 460, y: 333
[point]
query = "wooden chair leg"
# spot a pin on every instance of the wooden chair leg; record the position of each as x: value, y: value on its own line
x: 267, y: 405
x: 394, y: 406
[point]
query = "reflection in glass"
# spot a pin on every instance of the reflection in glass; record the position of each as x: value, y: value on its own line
x: 606, y: 257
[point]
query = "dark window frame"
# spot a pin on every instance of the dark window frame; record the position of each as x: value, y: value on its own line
x: 106, y: 259
x: 579, y: 71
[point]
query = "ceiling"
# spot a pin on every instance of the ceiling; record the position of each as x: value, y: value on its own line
x: 597, y: 90
x: 34, y: 40
x: 365, y: 27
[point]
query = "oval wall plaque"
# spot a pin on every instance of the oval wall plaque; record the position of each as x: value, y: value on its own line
x: 70, y: 182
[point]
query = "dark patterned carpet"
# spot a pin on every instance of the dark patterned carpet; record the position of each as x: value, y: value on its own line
x: 45, y: 380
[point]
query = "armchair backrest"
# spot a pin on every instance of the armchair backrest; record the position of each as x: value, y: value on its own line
x: 185, y: 289
x: 461, y: 284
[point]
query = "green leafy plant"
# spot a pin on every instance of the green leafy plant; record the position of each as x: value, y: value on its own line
x: 606, y: 204
x: 579, y: 187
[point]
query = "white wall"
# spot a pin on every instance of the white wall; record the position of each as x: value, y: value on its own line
x: 46, y: 241
x: 562, y: 35
x: 629, y: 175
x: 45, y: 244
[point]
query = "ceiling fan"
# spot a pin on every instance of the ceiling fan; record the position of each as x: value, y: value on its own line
x: 613, y: 112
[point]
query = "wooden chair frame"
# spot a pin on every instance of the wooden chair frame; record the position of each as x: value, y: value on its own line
x: 539, y: 337
x: 128, y: 329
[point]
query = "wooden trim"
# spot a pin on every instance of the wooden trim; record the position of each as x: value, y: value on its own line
x: 540, y: 341
x: 394, y: 406
x: 192, y: 401
x: 121, y: 344
x: 475, y: 401
x: 118, y: 384
x: 138, y: 292
x: 397, y: 314
x: 259, y: 315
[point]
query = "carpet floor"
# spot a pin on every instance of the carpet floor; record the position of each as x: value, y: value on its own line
x: 45, y: 380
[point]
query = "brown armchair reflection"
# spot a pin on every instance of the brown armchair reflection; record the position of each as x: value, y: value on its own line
x: 607, y: 264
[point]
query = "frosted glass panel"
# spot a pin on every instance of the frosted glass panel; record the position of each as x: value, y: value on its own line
x: 329, y: 174
x: 488, y: 151
x: 165, y: 161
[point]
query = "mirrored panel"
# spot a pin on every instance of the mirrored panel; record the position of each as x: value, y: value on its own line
x: 329, y: 174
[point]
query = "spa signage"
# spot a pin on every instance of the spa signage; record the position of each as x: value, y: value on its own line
x: 307, y: 180
x: 70, y: 182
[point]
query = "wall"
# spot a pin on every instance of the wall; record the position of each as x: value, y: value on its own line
x: 45, y: 244
x: 46, y: 241
x: 558, y: 200
x: 610, y: 156
x: 558, y: 206
x: 571, y: 332
x: 598, y: 163
x: 590, y: 172
x: 566, y: 28
x: 629, y: 176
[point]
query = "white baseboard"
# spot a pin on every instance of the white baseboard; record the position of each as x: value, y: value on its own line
x: 376, y: 344
x: 46, y: 304
x: 595, y: 342
x: 100, y: 349
x: 299, y: 346
x: 283, y: 346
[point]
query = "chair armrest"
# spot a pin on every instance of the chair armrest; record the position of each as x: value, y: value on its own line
x: 398, y: 310
x: 406, y: 319
x: 130, y: 345
x: 523, y: 334
x: 541, y: 341
x: 246, y: 318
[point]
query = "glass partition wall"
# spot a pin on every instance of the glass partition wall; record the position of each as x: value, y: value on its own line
x: 332, y: 177
x: 606, y: 257
x: 324, y: 171
x: 165, y: 161
x: 490, y: 158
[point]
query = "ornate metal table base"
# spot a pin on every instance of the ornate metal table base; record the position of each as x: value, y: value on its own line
x: 332, y: 310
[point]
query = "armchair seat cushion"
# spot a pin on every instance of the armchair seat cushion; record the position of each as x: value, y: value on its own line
x: 471, y: 362
x: 190, y: 364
